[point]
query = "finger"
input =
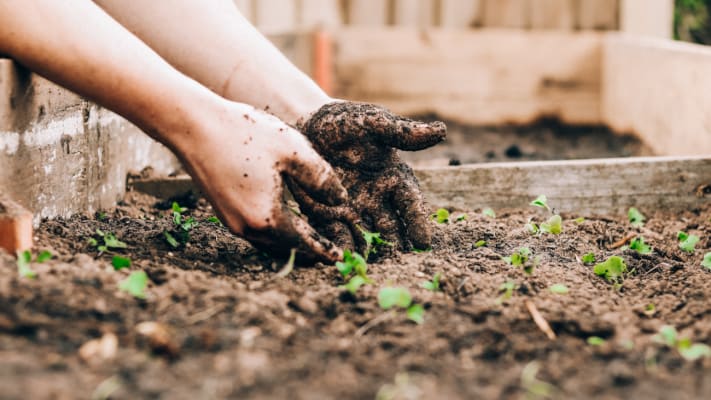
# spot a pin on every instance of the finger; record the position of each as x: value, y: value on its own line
x: 409, y: 135
x: 414, y: 215
x: 316, y: 176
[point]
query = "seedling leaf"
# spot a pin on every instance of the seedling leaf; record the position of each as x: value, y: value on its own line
x: 650, y: 309
x: 707, y: 261
x: 441, y: 216
x: 44, y: 255
x: 120, y: 263
x: 432, y: 285
x: 640, y: 246
x: 354, y: 284
x: 534, y: 387
x: 667, y: 335
x: 489, y: 212
x: 215, y: 221
x: 170, y: 239
x: 416, y: 313
x: 352, y: 263
x: 507, y: 289
x: 588, y: 258
x: 372, y: 242
x: 553, y: 225
x: 687, y: 242
x: 559, y: 288
x: 462, y: 217
x: 112, y: 242
x: 635, y: 217
x: 135, y: 284
x: 176, y: 208
x: 596, y: 341
x: 613, y: 269
x: 390, y: 297
x: 695, y: 351
x: 482, y: 243
x: 24, y: 258
x: 542, y: 202
x: 579, y: 220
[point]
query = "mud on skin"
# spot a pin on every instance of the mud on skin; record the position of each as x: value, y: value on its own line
x: 361, y: 141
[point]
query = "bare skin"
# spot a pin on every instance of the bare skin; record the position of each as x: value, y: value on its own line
x: 236, y: 154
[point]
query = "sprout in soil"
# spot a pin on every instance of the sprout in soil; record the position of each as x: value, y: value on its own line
x: 489, y: 212
x: 635, y: 217
x: 390, y: 297
x: 24, y: 261
x: 669, y: 336
x: 110, y: 242
x: 706, y: 263
x: 441, y: 216
x: 462, y: 217
x: 135, y: 284
x: 687, y: 242
x: 614, y: 270
x: 554, y: 225
x: 588, y: 258
x: 432, y: 285
x: 542, y: 202
x: 355, y: 267
x: 120, y: 263
x: 373, y: 242
x: 596, y: 341
x: 507, y: 290
x: 289, y: 265
x: 480, y: 243
x: 650, y: 309
x: 640, y: 246
x: 522, y: 258
x: 182, y: 226
x: 559, y: 288
x: 214, y: 220
x: 534, y: 387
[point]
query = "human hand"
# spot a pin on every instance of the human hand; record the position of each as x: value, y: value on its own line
x: 239, y: 157
x: 361, y: 141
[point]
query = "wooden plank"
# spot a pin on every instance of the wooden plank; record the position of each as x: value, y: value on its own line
x: 367, y: 12
x: 414, y: 13
x: 319, y: 14
x: 246, y: 8
x: 658, y: 89
x: 580, y: 187
x: 460, y: 13
x: 553, y: 14
x: 597, y: 14
x: 647, y: 17
x: 275, y: 16
x: 507, y: 13
x: 473, y: 77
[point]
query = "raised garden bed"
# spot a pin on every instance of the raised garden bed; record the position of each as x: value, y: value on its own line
x: 238, y: 330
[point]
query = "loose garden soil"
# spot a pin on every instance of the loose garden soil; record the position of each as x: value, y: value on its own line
x: 232, y: 329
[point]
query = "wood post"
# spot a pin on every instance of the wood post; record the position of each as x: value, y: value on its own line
x: 15, y: 227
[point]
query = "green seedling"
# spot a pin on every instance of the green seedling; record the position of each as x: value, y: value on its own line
x: 534, y: 387
x: 101, y: 216
x: 542, y: 202
x: 579, y: 220
x: 170, y: 239
x: 354, y: 284
x: 214, y: 220
x: 418, y: 251
x: 489, y: 212
x: 635, y: 217
x: 559, y: 288
x: 432, y: 285
x: 373, y: 241
x: 44, y: 255
x: 687, y: 242
x: 24, y: 261
x: 355, y: 267
x: 706, y: 263
x: 588, y: 258
x: 507, y: 290
x: 522, y: 258
x: 650, y: 309
x: 182, y: 227
x: 480, y: 243
x: 289, y: 265
x: 110, y: 242
x: 554, y: 225
x: 596, y: 341
x: 390, y: 297
x: 613, y: 270
x: 462, y: 217
x: 135, y: 284
x: 640, y: 246
x: 441, y: 216
x: 120, y: 263
x: 690, y: 351
x: 532, y: 227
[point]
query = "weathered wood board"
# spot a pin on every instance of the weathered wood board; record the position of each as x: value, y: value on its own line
x: 507, y: 13
x: 653, y: 18
x: 582, y: 187
x: 598, y: 14
x: 553, y: 14
x: 487, y: 76
x: 460, y: 13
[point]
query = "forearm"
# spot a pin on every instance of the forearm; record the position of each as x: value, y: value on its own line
x: 219, y: 48
x: 82, y: 48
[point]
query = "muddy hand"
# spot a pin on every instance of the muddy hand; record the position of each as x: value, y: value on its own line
x: 239, y: 157
x: 361, y: 142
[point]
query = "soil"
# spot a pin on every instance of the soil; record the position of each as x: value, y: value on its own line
x: 231, y: 328
x: 544, y: 140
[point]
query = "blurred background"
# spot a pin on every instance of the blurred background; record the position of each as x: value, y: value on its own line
x: 691, y: 21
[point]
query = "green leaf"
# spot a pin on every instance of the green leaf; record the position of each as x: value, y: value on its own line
x: 24, y: 258
x: 372, y: 241
x: 489, y: 212
x: 559, y: 288
x: 462, y: 217
x: 433, y: 285
x: 354, y: 284
x: 480, y: 243
x: 613, y: 269
x: 596, y: 341
x: 639, y: 245
x: 215, y: 221
x: 707, y: 261
x: 120, y: 263
x: 135, y: 284
x: 554, y: 225
x: 352, y: 263
x: 176, y: 208
x: 635, y: 217
x: 579, y: 220
x: 44, y: 255
x: 441, y: 216
x: 588, y: 258
x: 390, y: 297
x: 112, y: 242
x: 416, y: 313
x: 532, y: 228
x: 421, y: 251
x: 667, y: 335
x: 695, y: 351
x: 188, y: 224
x: 650, y: 309
x: 507, y: 290
x: 541, y: 201
x: 170, y: 239
x: 177, y: 218
x: 92, y: 242
x: 687, y: 242
x: 102, y: 249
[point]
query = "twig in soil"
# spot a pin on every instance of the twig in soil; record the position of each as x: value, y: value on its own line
x: 288, y: 267
x: 539, y: 320
x: 374, y: 322
x: 623, y: 241
x: 204, y: 314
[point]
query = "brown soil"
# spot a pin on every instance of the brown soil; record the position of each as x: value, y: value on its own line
x: 544, y: 140
x: 238, y: 331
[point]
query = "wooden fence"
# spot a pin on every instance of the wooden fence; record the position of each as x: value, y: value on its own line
x: 653, y: 17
